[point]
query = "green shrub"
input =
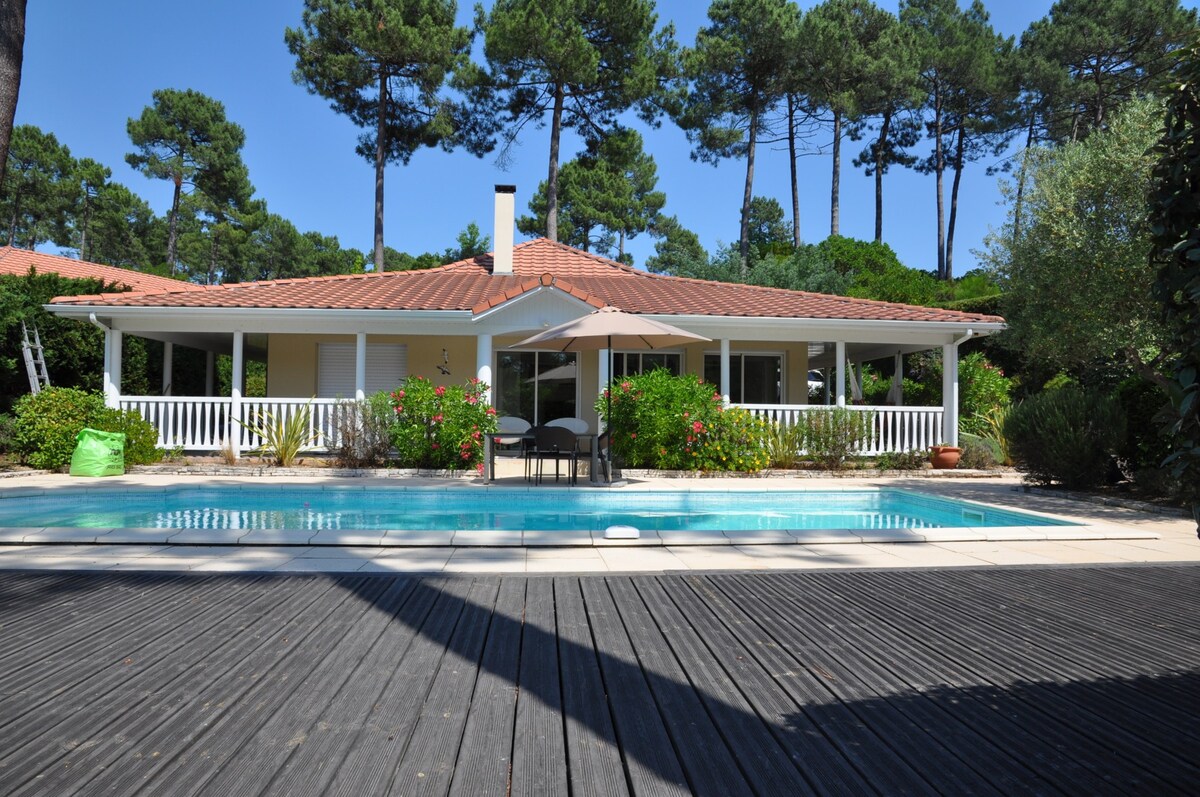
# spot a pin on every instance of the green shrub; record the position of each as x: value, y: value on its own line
x: 680, y: 423
x: 1066, y: 436
x: 978, y: 453
x: 903, y: 460
x: 832, y: 437
x: 47, y: 424
x: 7, y: 432
x: 982, y: 388
x: 440, y: 427
x: 141, y: 438
x: 364, y: 437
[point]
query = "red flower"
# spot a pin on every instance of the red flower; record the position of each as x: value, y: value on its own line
x: 491, y: 410
x: 439, y: 391
x: 697, y: 426
x: 436, y: 446
x: 437, y: 418
x: 399, y: 394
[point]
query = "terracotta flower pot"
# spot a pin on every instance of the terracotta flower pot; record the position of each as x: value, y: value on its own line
x: 944, y: 457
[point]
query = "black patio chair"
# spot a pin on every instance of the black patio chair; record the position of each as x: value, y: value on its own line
x: 558, y: 444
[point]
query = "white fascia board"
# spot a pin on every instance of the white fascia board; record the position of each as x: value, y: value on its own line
x: 285, y: 320
x: 824, y: 329
x: 540, y: 293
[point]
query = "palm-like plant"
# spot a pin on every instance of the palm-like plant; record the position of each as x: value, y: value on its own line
x: 283, y: 438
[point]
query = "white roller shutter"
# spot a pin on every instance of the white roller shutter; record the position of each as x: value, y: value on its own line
x: 387, y: 365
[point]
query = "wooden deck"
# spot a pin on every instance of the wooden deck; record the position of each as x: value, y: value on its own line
x: 999, y: 681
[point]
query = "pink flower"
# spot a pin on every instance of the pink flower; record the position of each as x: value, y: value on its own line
x: 399, y: 408
x: 633, y: 435
x: 399, y: 394
x: 437, y: 418
x: 436, y: 446
x: 479, y: 468
x: 472, y: 400
x: 626, y: 386
x: 439, y: 391
x: 491, y: 410
x: 697, y: 427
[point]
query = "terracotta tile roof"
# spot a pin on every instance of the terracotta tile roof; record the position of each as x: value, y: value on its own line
x: 19, y: 261
x: 469, y: 285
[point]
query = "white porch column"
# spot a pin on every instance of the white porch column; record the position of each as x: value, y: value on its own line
x: 168, y: 365
x: 116, y: 338
x: 603, y: 377
x: 360, y: 366
x: 726, y: 377
x: 483, y: 363
x: 839, y: 349
x: 235, y: 393
x: 108, y: 380
x: 210, y: 368
x: 950, y: 394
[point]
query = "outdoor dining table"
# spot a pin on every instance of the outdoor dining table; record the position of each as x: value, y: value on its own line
x: 489, y: 458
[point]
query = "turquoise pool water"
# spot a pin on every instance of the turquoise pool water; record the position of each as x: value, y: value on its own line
x: 292, y: 507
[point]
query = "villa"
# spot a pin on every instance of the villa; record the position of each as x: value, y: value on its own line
x: 343, y: 337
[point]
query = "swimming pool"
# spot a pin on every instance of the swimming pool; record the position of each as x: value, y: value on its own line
x: 415, y: 509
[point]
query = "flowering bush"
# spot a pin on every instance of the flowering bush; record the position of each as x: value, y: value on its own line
x: 441, y: 427
x: 681, y: 423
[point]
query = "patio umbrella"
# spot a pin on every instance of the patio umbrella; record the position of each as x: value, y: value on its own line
x: 608, y: 328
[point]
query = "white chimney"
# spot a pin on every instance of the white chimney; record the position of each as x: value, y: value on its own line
x: 502, y: 258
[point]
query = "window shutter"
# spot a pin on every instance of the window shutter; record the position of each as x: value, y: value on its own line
x: 387, y: 365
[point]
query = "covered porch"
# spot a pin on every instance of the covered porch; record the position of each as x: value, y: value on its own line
x: 323, y: 372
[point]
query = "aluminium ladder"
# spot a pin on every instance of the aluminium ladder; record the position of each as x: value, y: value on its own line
x: 35, y: 360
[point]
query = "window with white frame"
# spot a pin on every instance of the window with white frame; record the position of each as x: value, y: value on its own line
x: 387, y: 365
x: 753, y: 378
x: 538, y: 386
x: 626, y: 363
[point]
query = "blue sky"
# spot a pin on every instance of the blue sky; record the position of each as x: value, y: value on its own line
x: 89, y: 66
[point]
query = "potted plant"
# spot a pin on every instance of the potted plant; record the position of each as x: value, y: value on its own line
x: 944, y: 456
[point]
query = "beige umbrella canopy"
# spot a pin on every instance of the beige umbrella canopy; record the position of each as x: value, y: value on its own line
x: 608, y: 328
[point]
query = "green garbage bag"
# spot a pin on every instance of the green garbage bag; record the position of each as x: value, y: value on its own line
x: 98, y: 453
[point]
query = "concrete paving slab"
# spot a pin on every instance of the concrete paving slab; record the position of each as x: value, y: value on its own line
x: 207, y: 537
x: 331, y: 565
x: 574, y: 537
x: 277, y: 537
x: 335, y: 539
x: 487, y: 538
x: 486, y: 560
x: 66, y: 534
x: 822, y: 536
x: 416, y: 537
x: 760, y: 537
x: 136, y: 536
x: 640, y: 560
x: 694, y: 537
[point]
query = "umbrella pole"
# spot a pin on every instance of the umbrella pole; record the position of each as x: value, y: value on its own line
x: 608, y: 451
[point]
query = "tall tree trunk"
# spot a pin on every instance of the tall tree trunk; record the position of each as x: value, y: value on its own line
x: 212, y: 259
x: 83, y: 227
x: 939, y: 166
x: 747, y: 195
x: 12, y: 49
x: 621, y: 246
x: 173, y: 224
x: 12, y: 222
x: 880, y: 156
x: 958, y: 170
x: 836, y: 181
x: 1021, y: 174
x: 380, y: 160
x: 552, y: 172
x: 791, y: 104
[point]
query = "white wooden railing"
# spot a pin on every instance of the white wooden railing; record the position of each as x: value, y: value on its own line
x: 205, y: 423
x: 892, y: 429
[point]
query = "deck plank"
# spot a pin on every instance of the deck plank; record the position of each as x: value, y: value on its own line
x: 1013, y: 680
x: 485, y: 764
x: 593, y: 755
x: 540, y: 747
